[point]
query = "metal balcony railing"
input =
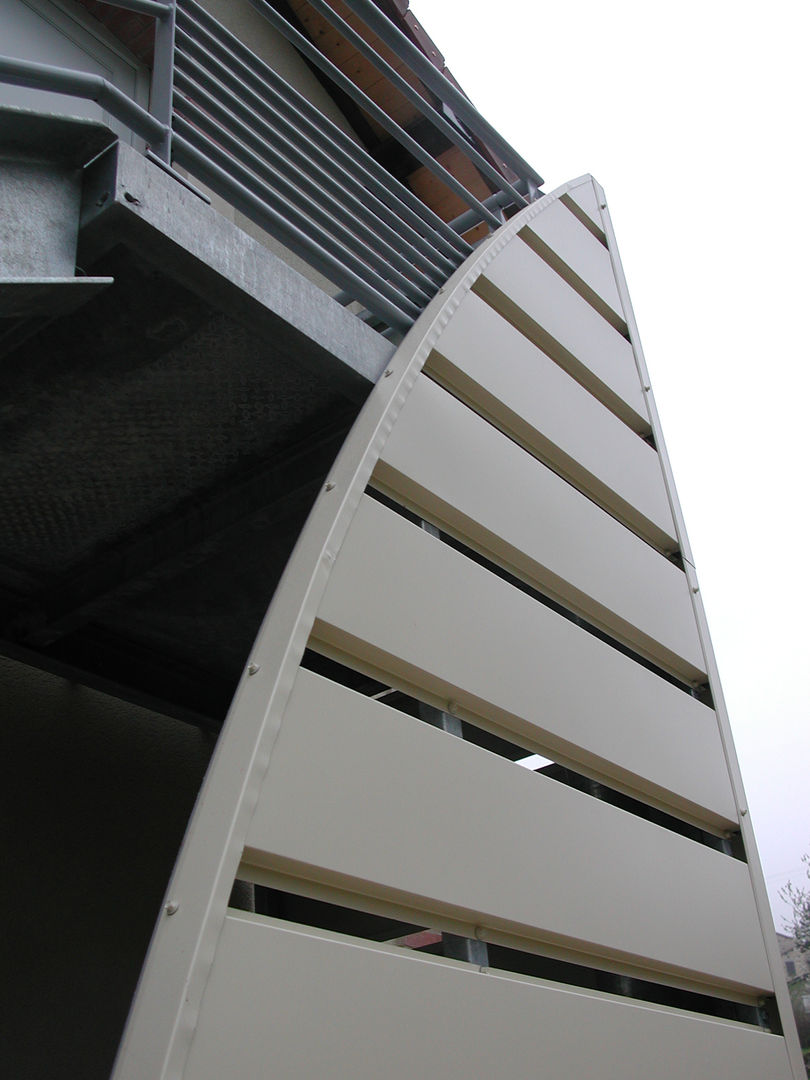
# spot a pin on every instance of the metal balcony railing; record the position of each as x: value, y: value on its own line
x: 220, y: 112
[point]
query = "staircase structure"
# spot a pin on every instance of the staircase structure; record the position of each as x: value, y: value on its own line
x: 356, y: 502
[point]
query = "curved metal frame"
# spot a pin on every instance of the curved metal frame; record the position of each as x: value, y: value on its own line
x: 166, y: 1006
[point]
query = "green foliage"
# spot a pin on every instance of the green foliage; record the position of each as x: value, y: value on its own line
x: 798, y: 896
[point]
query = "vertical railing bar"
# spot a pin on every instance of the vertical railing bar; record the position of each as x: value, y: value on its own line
x: 295, y: 218
x: 425, y: 107
x: 234, y: 137
x: 382, y: 118
x: 252, y: 110
x: 162, y: 90
x: 337, y: 143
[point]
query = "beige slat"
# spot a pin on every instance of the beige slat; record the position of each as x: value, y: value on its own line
x: 579, y: 257
x: 457, y: 469
x: 401, y: 600
x: 490, y: 365
x: 356, y: 788
x: 525, y: 289
x: 295, y: 1005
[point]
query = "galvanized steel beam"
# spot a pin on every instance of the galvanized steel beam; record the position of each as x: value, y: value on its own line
x: 128, y: 199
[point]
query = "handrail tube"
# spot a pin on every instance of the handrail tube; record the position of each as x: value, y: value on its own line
x: 292, y: 227
x: 337, y: 144
x: 382, y: 118
x: 250, y: 112
x: 257, y: 155
x: 419, y: 64
x: 142, y: 7
x: 83, y: 84
x: 425, y: 107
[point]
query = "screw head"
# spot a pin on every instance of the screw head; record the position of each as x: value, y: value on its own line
x: 172, y: 907
x: 330, y: 486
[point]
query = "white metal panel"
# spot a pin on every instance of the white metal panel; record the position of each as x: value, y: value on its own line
x: 404, y: 601
x: 289, y: 1004
x: 567, y: 238
x: 458, y: 470
x: 489, y: 364
x: 356, y: 788
x: 544, y: 307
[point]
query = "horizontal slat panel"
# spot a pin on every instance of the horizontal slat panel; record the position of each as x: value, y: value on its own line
x: 459, y: 470
x: 303, y: 1005
x: 400, y: 599
x: 537, y: 300
x: 357, y: 788
x: 567, y: 245
x: 497, y: 370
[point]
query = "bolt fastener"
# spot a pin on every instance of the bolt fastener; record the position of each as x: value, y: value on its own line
x: 172, y: 907
x: 252, y: 669
x: 389, y: 371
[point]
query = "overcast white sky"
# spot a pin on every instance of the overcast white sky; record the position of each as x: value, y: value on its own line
x: 694, y: 118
